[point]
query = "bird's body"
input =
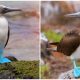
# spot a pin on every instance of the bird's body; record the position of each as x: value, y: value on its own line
x: 70, y: 43
x: 4, y: 36
x: 4, y: 32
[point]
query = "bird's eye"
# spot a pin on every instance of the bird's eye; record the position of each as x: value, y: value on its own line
x: 4, y: 10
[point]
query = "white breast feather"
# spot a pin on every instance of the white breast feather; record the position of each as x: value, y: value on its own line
x: 3, y: 31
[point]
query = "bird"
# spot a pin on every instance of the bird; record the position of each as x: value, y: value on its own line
x: 73, y: 37
x: 69, y: 46
x: 4, y: 30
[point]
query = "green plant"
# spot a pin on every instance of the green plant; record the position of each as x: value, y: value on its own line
x: 44, y: 68
x: 21, y: 69
x: 53, y: 36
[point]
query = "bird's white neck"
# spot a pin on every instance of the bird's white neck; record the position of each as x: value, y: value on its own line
x: 76, y: 54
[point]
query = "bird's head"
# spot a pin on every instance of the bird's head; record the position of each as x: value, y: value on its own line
x: 74, y: 15
x: 4, y: 9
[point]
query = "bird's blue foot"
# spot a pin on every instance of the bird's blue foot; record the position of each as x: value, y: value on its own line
x: 4, y: 60
x: 76, y: 72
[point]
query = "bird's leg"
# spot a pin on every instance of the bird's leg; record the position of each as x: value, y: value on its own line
x: 78, y: 63
x: 1, y: 55
x: 2, y: 58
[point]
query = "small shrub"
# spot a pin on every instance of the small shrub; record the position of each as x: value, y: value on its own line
x: 21, y: 69
x: 52, y: 36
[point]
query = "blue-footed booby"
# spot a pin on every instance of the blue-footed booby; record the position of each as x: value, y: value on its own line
x: 74, y: 38
x: 70, y: 46
x: 4, y: 31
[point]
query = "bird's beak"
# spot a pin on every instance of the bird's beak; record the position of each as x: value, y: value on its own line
x: 6, y: 10
x: 76, y: 15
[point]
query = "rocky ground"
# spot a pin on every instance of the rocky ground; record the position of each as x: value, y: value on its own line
x: 55, y: 68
